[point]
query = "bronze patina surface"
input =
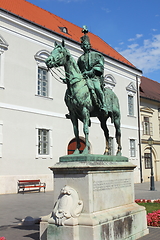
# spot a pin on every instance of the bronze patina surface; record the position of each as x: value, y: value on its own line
x: 86, y: 96
x: 92, y: 157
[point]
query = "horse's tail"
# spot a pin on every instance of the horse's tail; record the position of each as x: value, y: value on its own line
x: 112, y: 103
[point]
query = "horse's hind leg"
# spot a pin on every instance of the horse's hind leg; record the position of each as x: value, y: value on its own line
x: 76, y: 132
x: 118, y: 134
x: 106, y: 134
x: 86, y: 119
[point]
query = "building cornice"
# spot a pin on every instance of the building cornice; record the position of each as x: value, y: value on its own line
x: 145, y: 141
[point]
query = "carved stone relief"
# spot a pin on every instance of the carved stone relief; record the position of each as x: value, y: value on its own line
x: 67, y: 208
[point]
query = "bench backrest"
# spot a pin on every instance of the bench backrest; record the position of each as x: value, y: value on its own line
x: 28, y: 181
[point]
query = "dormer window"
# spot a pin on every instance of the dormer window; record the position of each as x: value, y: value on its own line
x: 64, y: 29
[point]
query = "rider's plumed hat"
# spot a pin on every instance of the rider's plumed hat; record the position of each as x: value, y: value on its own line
x: 85, y: 38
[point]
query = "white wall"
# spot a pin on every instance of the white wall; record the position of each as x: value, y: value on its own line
x: 22, y: 111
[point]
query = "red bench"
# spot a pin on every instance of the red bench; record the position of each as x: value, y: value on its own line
x: 30, y: 184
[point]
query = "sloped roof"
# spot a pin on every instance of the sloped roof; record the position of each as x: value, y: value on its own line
x: 150, y: 89
x: 37, y: 15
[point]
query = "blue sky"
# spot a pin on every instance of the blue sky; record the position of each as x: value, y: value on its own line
x: 132, y: 27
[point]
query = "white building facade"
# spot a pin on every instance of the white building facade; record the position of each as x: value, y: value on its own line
x: 34, y: 131
x: 150, y: 121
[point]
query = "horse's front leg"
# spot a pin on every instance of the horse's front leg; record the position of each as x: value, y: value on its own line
x: 86, y: 117
x: 76, y: 132
x: 106, y: 134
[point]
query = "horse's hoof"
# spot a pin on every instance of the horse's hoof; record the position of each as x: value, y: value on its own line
x: 85, y: 151
x: 119, y: 153
x: 106, y: 153
x: 76, y: 152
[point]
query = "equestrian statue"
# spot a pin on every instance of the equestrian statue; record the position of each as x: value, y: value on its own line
x: 86, y: 96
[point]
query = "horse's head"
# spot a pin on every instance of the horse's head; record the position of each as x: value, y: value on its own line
x: 58, y: 56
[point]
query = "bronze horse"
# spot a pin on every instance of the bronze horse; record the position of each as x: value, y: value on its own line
x: 79, y: 101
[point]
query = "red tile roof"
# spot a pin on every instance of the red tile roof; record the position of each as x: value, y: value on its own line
x: 150, y: 89
x: 37, y: 15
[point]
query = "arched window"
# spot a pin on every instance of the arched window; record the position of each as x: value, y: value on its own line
x: 109, y: 81
x: 3, y: 47
x: 72, y: 145
x: 43, y: 86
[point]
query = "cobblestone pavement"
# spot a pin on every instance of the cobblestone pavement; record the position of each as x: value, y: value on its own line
x: 15, y: 207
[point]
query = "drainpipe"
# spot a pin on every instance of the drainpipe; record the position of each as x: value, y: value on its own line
x: 139, y: 133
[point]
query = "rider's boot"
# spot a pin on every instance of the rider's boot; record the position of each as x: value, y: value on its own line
x: 104, y: 108
x: 94, y: 97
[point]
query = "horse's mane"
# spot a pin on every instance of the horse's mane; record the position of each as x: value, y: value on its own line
x: 72, y: 60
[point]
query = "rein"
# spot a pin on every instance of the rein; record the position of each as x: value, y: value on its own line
x: 52, y: 71
x: 72, y: 80
x: 71, y: 97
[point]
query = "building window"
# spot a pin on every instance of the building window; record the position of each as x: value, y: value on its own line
x: 132, y: 148
x: 64, y: 29
x: 147, y: 160
x: 1, y: 138
x: 42, y: 82
x: 130, y: 105
x: 3, y: 47
x: 111, y: 146
x: 43, y: 77
x: 131, y: 92
x: 43, y: 142
x: 147, y: 126
x: 109, y: 81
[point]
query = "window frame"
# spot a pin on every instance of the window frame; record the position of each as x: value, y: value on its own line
x: 130, y: 105
x: 49, y: 142
x: 131, y: 92
x: 43, y: 141
x: 109, y: 81
x: 1, y: 138
x: 147, y: 126
x: 41, y: 80
x: 132, y: 147
x: 147, y: 160
x: 3, y: 47
x: 40, y: 58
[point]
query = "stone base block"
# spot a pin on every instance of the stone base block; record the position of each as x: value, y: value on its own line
x: 43, y: 230
x: 104, y: 188
x: 62, y: 232
x: 127, y: 222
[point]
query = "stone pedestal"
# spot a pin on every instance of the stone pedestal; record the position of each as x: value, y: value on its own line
x: 105, y: 186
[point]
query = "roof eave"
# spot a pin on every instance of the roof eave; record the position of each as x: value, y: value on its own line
x: 67, y: 38
x: 147, y: 98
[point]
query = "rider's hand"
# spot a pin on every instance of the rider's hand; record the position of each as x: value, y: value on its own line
x: 88, y: 73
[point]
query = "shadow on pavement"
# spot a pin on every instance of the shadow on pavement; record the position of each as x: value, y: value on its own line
x: 11, y: 232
